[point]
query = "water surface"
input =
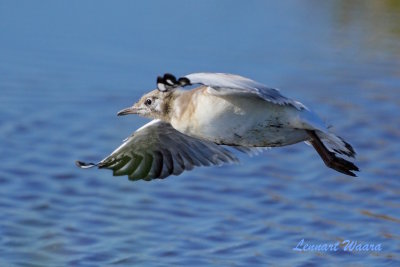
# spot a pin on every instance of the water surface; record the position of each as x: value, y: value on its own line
x: 66, y: 68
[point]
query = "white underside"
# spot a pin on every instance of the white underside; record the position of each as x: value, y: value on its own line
x: 246, y: 121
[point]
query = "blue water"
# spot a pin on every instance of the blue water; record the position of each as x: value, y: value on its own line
x: 67, y: 67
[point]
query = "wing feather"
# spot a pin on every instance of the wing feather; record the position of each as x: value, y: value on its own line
x: 228, y: 84
x: 157, y: 150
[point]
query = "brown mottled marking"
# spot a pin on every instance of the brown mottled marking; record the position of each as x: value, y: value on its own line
x: 168, y: 101
x: 186, y: 102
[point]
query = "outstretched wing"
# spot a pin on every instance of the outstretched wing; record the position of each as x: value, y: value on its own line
x: 228, y: 84
x: 157, y: 150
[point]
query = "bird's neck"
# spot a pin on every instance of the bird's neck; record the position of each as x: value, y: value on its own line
x: 169, y: 102
x: 179, y: 105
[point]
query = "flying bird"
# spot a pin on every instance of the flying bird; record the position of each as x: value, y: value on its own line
x: 196, y: 127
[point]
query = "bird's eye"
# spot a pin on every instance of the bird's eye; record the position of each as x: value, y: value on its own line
x: 148, y: 102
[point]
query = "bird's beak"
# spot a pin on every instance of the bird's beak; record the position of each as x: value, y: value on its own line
x: 130, y: 110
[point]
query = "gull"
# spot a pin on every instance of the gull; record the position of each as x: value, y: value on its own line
x: 196, y: 127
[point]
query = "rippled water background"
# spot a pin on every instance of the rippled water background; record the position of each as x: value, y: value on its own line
x: 67, y: 67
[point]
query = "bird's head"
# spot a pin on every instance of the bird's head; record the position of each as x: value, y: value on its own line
x: 153, y: 105
x: 157, y: 104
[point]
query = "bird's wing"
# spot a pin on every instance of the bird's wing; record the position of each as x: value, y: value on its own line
x: 157, y: 150
x: 250, y: 151
x: 228, y: 84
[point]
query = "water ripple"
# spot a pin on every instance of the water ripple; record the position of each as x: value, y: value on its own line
x: 63, y: 82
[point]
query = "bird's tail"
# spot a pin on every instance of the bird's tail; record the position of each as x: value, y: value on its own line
x: 336, y: 144
x: 328, y: 146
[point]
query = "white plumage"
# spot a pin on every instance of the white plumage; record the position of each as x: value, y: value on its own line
x: 191, y: 126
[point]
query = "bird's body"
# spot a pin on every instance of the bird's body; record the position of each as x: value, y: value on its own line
x: 191, y: 125
x: 235, y: 120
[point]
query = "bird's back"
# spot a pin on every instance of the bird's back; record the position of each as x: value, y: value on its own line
x: 234, y: 119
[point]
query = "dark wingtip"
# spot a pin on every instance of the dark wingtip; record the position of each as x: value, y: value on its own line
x: 183, y: 81
x: 350, y: 173
x: 84, y: 165
x: 169, y: 82
x: 344, y: 166
x: 169, y: 76
x: 350, y: 150
x: 330, y: 159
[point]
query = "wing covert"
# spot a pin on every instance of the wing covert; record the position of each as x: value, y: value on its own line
x: 227, y: 84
